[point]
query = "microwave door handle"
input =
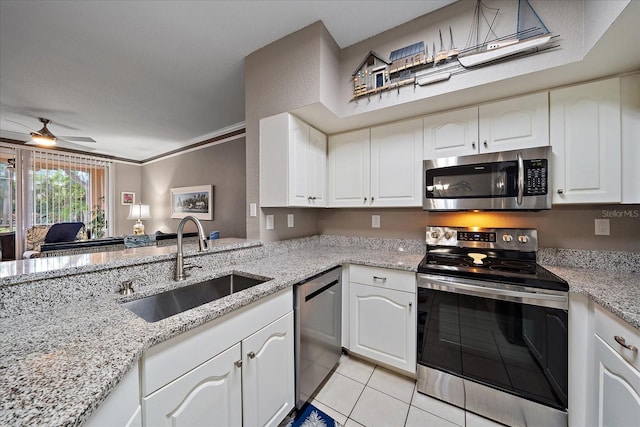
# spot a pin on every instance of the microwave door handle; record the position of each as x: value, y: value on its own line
x: 520, y: 178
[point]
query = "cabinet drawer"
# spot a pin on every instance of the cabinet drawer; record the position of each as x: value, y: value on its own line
x: 608, y: 326
x: 383, y: 278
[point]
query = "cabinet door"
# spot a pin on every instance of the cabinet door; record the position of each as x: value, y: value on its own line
x: 630, y: 104
x: 514, y: 124
x: 212, y: 391
x: 383, y: 325
x: 349, y: 169
x: 317, y: 168
x: 396, y: 164
x: 268, y: 373
x: 618, y: 386
x: 585, y: 140
x: 122, y: 407
x: 454, y: 133
x: 300, y: 153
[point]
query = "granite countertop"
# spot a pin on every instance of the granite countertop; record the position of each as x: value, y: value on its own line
x: 617, y: 292
x: 57, y: 364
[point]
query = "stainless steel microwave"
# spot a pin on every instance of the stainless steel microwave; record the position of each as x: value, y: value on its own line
x: 508, y: 180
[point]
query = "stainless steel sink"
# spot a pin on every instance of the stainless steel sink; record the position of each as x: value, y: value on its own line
x: 165, y: 304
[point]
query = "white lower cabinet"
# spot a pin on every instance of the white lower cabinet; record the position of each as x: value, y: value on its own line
x: 234, y: 371
x: 617, y: 371
x: 382, y: 319
x: 211, y: 392
x: 604, y: 375
x: 268, y: 374
x: 122, y: 407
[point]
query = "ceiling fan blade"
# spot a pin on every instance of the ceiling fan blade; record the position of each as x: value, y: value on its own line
x: 23, y: 125
x: 71, y: 145
x: 63, y: 144
x: 77, y: 138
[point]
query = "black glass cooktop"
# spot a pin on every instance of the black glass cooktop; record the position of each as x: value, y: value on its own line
x: 498, y: 266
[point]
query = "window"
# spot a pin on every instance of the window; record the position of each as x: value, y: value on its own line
x: 7, y: 189
x: 44, y: 187
x: 65, y: 187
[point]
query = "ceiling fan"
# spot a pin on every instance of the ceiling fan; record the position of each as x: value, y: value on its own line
x: 45, y: 138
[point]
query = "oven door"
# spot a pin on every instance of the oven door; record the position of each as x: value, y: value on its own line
x: 506, y: 337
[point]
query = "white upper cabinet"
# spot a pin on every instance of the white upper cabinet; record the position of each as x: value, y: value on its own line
x: 396, y: 164
x: 585, y: 140
x: 511, y: 124
x: 381, y: 166
x: 454, y: 133
x: 514, y: 123
x: 348, y: 169
x: 292, y: 163
x: 630, y: 100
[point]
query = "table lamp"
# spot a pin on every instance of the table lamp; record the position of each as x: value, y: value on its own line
x: 139, y: 212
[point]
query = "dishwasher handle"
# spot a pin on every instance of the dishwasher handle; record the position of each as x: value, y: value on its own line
x: 317, y: 292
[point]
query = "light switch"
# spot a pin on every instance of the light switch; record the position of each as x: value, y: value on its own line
x: 269, y: 222
x: 375, y: 221
x: 289, y: 220
x: 253, y: 210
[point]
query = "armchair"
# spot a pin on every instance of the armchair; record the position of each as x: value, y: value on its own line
x: 59, y: 232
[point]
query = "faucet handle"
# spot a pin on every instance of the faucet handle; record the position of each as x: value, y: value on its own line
x: 126, y: 287
x: 187, y: 267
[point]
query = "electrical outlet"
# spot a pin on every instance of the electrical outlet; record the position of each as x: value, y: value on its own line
x: 289, y: 220
x: 269, y: 222
x: 602, y: 227
x: 375, y: 221
x: 253, y: 210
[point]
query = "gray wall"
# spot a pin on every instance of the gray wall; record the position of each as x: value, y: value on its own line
x: 560, y: 227
x: 222, y: 165
x: 280, y: 77
x: 128, y: 177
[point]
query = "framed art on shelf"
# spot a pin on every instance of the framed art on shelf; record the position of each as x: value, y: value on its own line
x: 127, y: 198
x: 196, y: 201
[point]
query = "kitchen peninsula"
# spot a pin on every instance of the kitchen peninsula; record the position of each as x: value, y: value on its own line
x: 68, y: 343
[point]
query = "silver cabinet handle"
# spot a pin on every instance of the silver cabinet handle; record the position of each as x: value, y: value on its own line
x: 560, y: 191
x: 620, y: 340
x: 238, y: 363
x: 384, y: 279
x: 251, y: 355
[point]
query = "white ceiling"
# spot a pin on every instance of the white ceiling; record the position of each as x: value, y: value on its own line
x: 144, y: 78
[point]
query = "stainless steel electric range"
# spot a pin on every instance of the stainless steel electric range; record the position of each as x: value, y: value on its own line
x: 492, y: 326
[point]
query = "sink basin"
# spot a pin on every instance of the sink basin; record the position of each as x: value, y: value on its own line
x: 160, y: 306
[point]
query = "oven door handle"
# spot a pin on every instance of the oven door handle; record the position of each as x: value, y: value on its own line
x: 460, y: 286
x: 520, y: 178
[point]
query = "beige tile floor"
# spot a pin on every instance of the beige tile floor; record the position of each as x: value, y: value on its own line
x: 362, y: 394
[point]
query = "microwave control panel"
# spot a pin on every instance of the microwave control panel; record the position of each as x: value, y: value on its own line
x: 535, y: 177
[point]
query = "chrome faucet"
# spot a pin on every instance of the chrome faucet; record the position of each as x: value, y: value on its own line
x: 202, y: 241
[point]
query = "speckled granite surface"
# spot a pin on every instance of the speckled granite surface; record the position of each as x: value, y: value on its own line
x: 67, y: 342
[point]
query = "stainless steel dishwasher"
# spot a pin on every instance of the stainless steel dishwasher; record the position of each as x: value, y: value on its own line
x: 318, y: 330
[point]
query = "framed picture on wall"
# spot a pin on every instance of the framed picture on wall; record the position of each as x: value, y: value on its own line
x: 196, y: 201
x: 127, y: 198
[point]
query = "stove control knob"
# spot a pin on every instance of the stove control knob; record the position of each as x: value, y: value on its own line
x: 507, y: 238
x: 523, y: 239
x: 435, y: 234
x: 448, y: 235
